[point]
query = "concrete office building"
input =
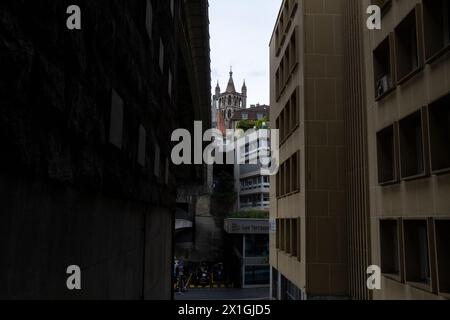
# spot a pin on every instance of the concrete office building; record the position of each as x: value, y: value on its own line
x: 86, y: 118
x: 407, y: 69
x: 252, y: 188
x: 308, y: 252
x: 364, y: 120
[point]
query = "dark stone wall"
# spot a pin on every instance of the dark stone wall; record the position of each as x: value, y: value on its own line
x: 68, y: 196
x: 55, y: 92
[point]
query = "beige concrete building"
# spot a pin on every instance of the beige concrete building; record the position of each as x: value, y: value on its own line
x: 364, y: 118
x: 308, y: 251
x: 408, y: 110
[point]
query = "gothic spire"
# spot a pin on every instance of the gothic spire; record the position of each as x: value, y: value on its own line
x: 231, y: 88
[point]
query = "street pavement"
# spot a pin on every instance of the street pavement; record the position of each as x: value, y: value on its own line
x: 224, y: 294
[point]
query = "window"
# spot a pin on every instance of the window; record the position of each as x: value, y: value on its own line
x: 290, y: 291
x: 288, y: 121
x: 443, y: 254
x: 278, y: 234
x: 257, y: 275
x: 288, y: 236
x: 389, y: 247
x: 439, y: 117
x: 288, y: 230
x: 256, y: 245
x: 436, y: 15
x: 386, y: 155
x: 294, y: 121
x: 288, y: 177
x: 295, y: 178
x: 417, y: 261
x: 294, y: 238
x: 274, y: 284
x: 282, y: 76
x: 411, y: 146
x: 244, y: 116
x: 406, y: 47
x: 382, y: 67
x: 287, y: 65
x: 282, y: 234
x: 277, y: 84
x: 283, y: 190
x: 278, y: 183
x: 293, y: 52
x: 285, y: 21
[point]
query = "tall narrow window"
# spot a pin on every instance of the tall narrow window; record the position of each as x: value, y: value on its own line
x: 383, y: 75
x: 417, y: 260
x: 295, y: 172
x: 288, y: 239
x: 278, y: 233
x: 436, y: 16
x: 411, y: 146
x: 406, y: 46
x: 386, y: 155
x: 389, y: 247
x: 439, y: 115
x: 443, y: 254
x: 294, y: 232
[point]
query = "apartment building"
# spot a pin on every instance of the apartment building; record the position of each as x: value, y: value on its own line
x: 365, y: 150
x: 408, y: 118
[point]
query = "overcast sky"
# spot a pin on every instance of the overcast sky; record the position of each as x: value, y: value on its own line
x: 240, y: 35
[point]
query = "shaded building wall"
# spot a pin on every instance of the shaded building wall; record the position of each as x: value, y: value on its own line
x: 46, y: 228
x: 357, y: 162
x: 325, y: 175
x: 84, y: 172
x: 308, y: 196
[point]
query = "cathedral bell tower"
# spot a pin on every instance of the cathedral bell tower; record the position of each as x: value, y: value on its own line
x: 229, y: 101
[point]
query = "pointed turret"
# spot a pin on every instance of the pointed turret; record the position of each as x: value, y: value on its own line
x: 230, y: 87
x: 217, y: 89
x: 244, y: 95
x: 244, y: 89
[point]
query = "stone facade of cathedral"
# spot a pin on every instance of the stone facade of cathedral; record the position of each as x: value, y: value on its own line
x: 228, y: 102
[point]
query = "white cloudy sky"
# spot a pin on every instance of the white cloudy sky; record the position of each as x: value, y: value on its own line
x: 240, y: 34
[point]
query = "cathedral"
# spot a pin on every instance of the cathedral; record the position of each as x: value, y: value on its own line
x: 228, y: 102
